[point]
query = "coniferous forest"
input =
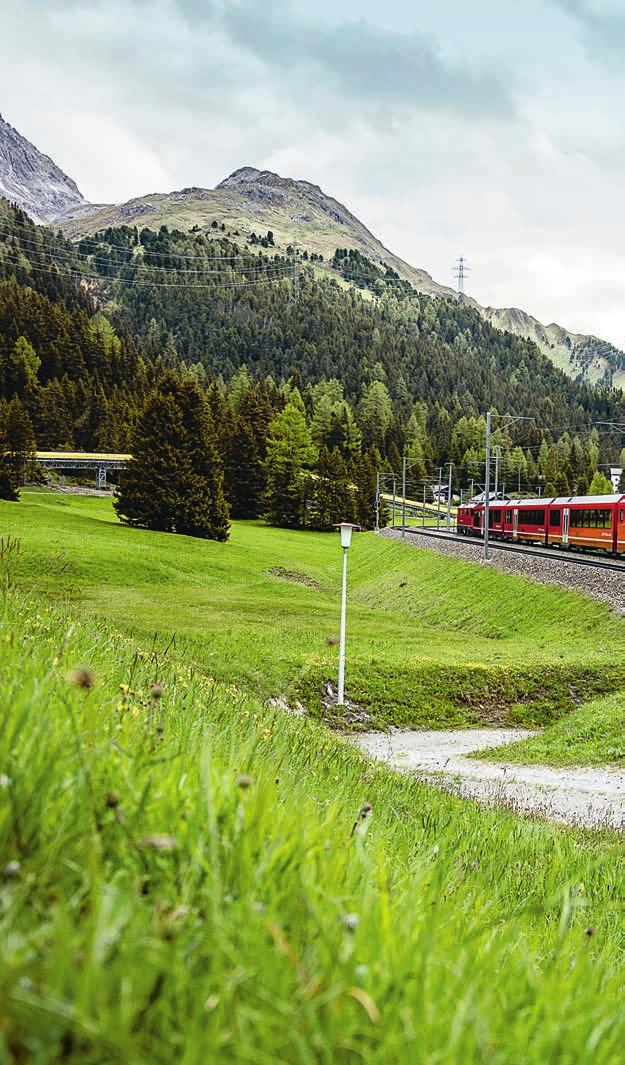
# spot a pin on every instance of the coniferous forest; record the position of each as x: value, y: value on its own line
x: 303, y: 385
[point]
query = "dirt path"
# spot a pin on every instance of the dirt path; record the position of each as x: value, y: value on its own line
x: 594, y: 797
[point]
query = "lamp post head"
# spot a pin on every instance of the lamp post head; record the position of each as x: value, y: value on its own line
x: 346, y: 529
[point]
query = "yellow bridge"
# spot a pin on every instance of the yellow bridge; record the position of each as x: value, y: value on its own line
x: 98, y: 463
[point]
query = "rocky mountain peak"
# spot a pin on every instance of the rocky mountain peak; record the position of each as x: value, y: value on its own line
x: 32, y: 180
x: 266, y: 187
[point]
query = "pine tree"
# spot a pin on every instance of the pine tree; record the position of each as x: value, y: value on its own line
x: 365, y: 481
x: 600, y: 485
x: 9, y: 483
x: 244, y: 472
x: 376, y: 411
x: 331, y: 498
x: 290, y: 455
x: 20, y: 439
x: 174, y: 482
x: 26, y: 360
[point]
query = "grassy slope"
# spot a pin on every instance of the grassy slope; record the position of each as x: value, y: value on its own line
x: 593, y: 734
x: 180, y: 884
x: 314, y: 231
x: 431, y: 640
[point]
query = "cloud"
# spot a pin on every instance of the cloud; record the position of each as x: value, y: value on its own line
x: 379, y: 67
x: 603, y: 29
x: 448, y: 129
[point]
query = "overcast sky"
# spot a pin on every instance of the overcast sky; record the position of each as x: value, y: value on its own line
x: 491, y: 128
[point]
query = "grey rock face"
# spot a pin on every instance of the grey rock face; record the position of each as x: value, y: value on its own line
x: 273, y: 190
x: 32, y: 180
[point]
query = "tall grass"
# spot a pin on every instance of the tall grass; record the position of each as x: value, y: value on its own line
x: 179, y: 882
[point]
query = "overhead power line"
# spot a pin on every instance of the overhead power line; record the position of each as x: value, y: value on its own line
x: 208, y: 259
x: 137, y: 282
x: 98, y: 242
x: 59, y: 257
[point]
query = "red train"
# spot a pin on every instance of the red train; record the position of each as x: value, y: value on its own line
x: 591, y: 522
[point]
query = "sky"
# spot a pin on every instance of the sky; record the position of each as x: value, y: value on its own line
x: 491, y: 129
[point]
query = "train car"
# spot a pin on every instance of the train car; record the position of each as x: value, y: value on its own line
x: 469, y: 519
x: 527, y: 520
x: 589, y: 522
x: 583, y: 522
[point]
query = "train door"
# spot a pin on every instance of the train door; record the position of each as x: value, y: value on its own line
x: 515, y: 525
x: 565, y: 525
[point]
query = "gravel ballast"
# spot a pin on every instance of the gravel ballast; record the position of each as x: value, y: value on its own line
x: 605, y: 585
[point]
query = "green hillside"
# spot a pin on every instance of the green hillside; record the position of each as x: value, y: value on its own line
x: 86, y: 330
x: 178, y: 880
x: 300, y: 215
x: 432, y: 640
x: 303, y: 217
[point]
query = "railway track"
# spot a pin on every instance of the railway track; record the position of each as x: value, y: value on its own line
x: 573, y: 557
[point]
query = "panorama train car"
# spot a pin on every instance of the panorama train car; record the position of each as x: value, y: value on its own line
x: 583, y: 522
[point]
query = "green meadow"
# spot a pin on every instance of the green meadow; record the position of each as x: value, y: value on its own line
x: 431, y: 640
x: 179, y: 875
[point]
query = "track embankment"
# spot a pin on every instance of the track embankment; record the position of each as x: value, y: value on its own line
x: 607, y: 586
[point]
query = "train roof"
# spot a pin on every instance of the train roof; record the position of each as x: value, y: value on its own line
x: 587, y: 500
x: 549, y: 501
x: 543, y: 501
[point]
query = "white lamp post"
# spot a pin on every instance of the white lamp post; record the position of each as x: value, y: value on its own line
x: 346, y: 530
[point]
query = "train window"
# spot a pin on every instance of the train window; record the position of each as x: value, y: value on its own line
x: 622, y: 517
x: 592, y: 518
x: 496, y: 517
x: 531, y: 517
x: 509, y: 516
x: 554, y: 519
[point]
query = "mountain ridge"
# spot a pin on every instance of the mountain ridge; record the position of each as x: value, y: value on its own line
x: 300, y: 215
x: 32, y: 179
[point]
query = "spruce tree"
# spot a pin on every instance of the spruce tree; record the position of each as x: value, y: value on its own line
x: 244, y: 472
x: 204, y: 511
x: 9, y: 484
x: 331, y: 498
x: 20, y: 439
x: 174, y: 482
x: 365, y: 481
x: 150, y: 488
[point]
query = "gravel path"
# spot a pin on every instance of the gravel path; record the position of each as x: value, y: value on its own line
x: 593, y: 797
x: 608, y: 587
